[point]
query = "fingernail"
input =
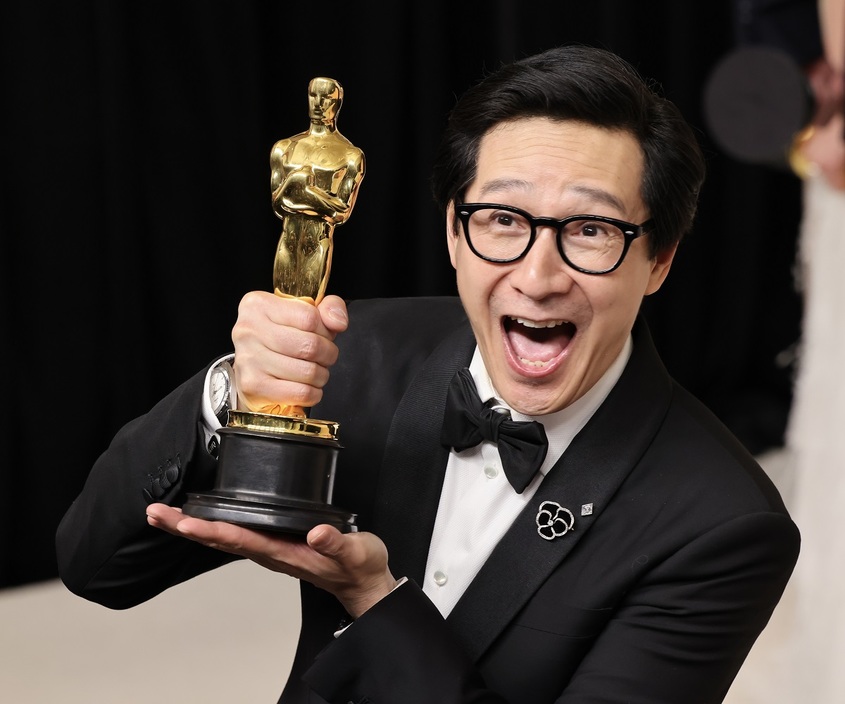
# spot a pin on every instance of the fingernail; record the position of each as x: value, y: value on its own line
x: 339, y: 314
x: 317, y: 537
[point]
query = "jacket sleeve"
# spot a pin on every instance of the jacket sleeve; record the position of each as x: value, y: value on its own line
x: 400, y: 650
x: 105, y: 549
x: 681, y: 633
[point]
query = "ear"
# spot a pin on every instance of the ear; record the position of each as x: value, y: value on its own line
x: 660, y: 266
x: 452, y: 235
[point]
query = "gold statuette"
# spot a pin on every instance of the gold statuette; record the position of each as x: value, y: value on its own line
x: 276, y: 466
x: 314, y: 180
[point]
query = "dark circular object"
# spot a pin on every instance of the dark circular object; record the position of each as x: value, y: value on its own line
x: 755, y: 101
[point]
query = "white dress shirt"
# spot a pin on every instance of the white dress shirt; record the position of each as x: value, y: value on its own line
x: 478, y: 504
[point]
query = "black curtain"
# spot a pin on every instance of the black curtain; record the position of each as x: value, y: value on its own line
x: 135, y: 203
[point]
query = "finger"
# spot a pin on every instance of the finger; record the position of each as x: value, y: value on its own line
x: 280, y: 379
x: 276, y: 552
x: 327, y: 541
x: 282, y: 351
x: 295, y: 313
x: 333, y: 313
x: 164, y: 517
x: 356, y: 554
x: 284, y: 326
x: 220, y: 535
x: 234, y: 539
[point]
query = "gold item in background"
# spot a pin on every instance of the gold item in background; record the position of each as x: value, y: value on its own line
x: 798, y: 162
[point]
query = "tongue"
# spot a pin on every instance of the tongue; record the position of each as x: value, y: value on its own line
x: 538, y: 344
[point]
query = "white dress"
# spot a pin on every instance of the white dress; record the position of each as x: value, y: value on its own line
x: 800, y: 657
x: 816, y: 440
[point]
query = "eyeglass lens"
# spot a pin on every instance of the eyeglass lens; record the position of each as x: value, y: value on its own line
x: 589, y: 244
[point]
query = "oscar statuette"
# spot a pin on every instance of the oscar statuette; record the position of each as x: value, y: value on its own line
x: 276, y: 466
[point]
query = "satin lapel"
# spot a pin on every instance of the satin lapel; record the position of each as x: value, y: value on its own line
x: 590, y: 471
x: 414, y: 460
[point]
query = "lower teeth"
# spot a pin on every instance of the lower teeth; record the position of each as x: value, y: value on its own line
x: 533, y: 363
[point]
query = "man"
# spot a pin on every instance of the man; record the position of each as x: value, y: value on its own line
x: 642, y: 560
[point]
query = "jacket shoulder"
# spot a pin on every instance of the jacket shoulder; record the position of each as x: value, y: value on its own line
x: 407, y: 317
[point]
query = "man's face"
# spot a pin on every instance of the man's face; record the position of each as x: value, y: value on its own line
x: 547, y: 332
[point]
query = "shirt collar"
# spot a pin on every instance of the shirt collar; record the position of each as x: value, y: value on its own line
x: 563, y: 425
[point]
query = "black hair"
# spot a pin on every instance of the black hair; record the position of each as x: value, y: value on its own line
x: 588, y: 85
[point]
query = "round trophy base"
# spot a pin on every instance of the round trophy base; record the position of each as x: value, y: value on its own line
x: 257, y: 512
x: 273, y: 479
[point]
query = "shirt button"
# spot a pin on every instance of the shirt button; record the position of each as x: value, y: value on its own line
x: 440, y: 578
x: 491, y: 471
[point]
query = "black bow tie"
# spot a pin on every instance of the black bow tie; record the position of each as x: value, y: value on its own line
x: 522, y: 444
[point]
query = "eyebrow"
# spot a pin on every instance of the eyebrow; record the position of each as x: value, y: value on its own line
x: 514, y: 184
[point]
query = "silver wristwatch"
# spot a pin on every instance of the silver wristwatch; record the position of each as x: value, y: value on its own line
x: 221, y: 391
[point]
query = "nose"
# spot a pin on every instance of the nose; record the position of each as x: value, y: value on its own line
x: 542, y: 272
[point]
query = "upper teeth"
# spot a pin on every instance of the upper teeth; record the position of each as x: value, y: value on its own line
x: 538, y: 324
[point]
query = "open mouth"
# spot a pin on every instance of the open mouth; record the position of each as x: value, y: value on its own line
x: 537, y: 344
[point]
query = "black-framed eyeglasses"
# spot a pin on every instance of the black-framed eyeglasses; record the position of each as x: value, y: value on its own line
x: 591, y: 244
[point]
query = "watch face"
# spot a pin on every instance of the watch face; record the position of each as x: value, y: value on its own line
x: 219, y: 389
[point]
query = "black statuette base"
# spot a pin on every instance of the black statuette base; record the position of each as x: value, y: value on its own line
x: 273, y: 481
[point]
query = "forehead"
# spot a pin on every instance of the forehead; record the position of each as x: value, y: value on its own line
x: 552, y: 161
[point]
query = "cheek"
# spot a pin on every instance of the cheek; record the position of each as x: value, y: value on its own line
x: 477, y: 288
x: 621, y: 299
x: 470, y: 286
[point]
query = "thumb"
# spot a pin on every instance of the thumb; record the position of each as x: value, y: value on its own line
x: 333, y: 313
x: 326, y: 540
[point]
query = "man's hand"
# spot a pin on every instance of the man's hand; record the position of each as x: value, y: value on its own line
x: 283, y: 349
x: 352, y: 566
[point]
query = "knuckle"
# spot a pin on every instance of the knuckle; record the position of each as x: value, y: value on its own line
x: 302, y: 395
x: 245, y: 373
x: 309, y: 348
x: 331, y: 355
x: 307, y: 318
x: 249, y: 302
x: 312, y: 374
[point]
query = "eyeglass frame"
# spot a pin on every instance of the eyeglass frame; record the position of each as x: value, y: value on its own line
x: 630, y: 232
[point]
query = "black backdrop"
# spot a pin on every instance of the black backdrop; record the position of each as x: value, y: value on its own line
x: 135, y: 208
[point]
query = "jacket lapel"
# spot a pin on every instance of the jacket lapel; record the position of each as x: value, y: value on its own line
x: 590, y: 471
x: 414, y: 460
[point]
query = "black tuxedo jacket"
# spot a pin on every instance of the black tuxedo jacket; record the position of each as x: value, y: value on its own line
x: 656, y: 595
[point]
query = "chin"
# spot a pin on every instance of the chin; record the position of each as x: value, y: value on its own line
x: 532, y: 396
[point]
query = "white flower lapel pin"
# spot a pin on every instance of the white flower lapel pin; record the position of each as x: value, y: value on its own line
x: 553, y: 520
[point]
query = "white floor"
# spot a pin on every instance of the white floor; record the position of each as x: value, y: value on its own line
x: 755, y: 683
x: 226, y: 637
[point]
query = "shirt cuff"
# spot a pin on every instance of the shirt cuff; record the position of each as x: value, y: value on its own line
x: 344, y: 626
